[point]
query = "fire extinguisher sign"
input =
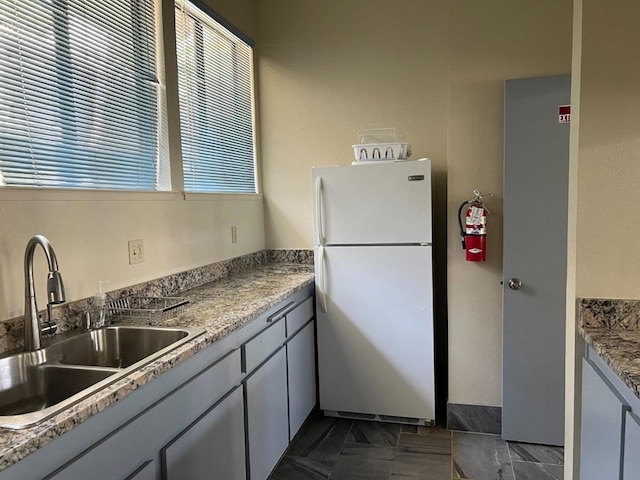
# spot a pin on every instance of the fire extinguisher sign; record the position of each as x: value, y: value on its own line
x: 564, y: 114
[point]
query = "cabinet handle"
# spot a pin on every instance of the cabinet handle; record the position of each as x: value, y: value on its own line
x: 282, y: 312
x: 319, y: 219
x: 321, y: 285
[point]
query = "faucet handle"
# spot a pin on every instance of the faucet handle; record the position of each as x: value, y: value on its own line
x: 49, y: 329
x: 85, y: 325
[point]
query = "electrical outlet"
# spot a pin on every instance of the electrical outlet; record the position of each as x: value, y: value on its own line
x: 234, y: 234
x: 136, y: 251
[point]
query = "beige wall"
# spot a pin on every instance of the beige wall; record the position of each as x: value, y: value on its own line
x: 90, y: 230
x: 491, y: 41
x: 605, y: 152
x: 608, y: 263
x: 326, y: 68
x: 573, y: 350
x: 242, y: 14
x: 436, y: 70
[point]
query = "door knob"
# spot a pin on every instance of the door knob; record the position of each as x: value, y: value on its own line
x: 515, y: 283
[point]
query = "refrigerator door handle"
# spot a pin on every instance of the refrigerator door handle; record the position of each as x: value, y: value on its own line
x: 321, y: 285
x: 319, y: 219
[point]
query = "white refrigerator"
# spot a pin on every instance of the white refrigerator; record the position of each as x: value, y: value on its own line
x: 374, y: 294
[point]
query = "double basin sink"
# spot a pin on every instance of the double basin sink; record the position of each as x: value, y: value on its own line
x: 37, y: 385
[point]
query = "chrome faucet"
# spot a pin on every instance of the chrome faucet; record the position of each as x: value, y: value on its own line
x: 55, y: 290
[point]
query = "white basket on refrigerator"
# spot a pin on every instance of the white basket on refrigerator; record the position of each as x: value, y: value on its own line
x: 378, y: 148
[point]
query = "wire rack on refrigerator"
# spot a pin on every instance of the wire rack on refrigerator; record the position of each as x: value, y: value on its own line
x: 156, y: 309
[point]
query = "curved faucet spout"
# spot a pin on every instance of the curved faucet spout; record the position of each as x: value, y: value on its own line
x: 55, y: 290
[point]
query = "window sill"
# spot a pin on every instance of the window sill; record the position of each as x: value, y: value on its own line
x: 222, y: 197
x: 17, y: 194
x: 11, y: 194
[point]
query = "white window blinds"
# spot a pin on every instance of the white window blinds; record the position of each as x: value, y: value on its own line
x: 216, y: 105
x: 80, y: 95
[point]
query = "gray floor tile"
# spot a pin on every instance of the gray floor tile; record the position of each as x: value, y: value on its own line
x: 374, y: 433
x: 537, y: 471
x: 425, y: 444
x: 321, y: 439
x: 300, y: 468
x: 423, y: 465
x: 529, y: 452
x: 419, y: 430
x: 332, y: 449
x: 474, y: 418
x: 481, y: 457
x: 363, y: 462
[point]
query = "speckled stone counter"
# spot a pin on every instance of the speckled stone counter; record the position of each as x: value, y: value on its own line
x: 220, y: 307
x: 612, y: 328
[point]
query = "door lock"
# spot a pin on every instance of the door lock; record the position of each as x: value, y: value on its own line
x: 515, y: 283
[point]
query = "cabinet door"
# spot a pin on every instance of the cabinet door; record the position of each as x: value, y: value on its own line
x: 603, y: 411
x: 301, y: 367
x: 213, y: 447
x: 631, y: 465
x: 143, y: 438
x: 147, y: 471
x: 267, y: 415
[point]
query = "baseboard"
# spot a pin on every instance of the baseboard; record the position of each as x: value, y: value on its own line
x: 474, y: 418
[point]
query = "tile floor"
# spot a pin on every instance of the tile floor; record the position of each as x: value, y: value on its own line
x: 340, y: 449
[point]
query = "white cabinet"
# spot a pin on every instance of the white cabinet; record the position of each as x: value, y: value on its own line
x: 603, y: 410
x: 147, y: 471
x: 212, y: 447
x: 301, y: 369
x: 631, y: 464
x: 198, y: 419
x: 131, y: 447
x: 280, y: 362
x: 267, y: 415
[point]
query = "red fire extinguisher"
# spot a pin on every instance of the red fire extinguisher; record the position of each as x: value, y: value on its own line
x: 474, y: 232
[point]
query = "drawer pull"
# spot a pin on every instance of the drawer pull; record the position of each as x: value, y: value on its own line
x: 282, y: 312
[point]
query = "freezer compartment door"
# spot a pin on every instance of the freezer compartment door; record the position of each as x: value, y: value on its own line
x: 388, y: 203
x: 375, y: 339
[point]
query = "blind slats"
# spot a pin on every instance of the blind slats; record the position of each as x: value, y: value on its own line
x: 216, y: 103
x: 81, y: 102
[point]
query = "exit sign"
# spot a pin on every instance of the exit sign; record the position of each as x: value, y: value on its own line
x: 564, y: 114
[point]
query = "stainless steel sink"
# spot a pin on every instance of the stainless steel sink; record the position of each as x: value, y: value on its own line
x: 117, y: 347
x: 37, y: 385
x: 41, y: 386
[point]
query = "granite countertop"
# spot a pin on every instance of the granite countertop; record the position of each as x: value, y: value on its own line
x: 612, y: 328
x: 220, y: 307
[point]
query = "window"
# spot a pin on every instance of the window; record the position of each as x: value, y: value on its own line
x: 81, y: 100
x: 216, y: 104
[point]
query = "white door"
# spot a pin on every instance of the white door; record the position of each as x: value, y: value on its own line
x: 375, y: 339
x: 536, y: 166
x: 373, y: 204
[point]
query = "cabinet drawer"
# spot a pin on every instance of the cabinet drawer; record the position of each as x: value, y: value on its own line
x: 300, y: 315
x: 256, y: 350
